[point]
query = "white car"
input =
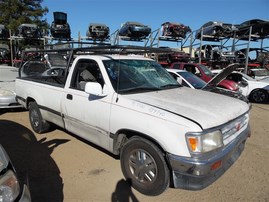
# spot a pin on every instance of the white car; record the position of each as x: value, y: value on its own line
x: 190, y: 80
x: 187, y: 79
x: 8, y: 75
x: 256, y: 91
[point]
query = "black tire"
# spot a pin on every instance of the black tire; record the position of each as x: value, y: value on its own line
x: 38, y: 124
x: 258, y: 96
x: 144, y: 166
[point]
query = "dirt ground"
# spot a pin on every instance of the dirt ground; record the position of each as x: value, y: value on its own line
x: 61, y: 167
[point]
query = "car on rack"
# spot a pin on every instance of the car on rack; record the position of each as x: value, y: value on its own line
x: 29, y: 31
x: 256, y: 91
x: 204, y: 73
x: 175, y: 30
x: 11, y: 187
x: 259, y: 27
x: 4, y: 54
x: 4, y: 33
x: 213, y: 30
x: 259, y: 56
x: 60, y: 28
x: 175, y: 56
x: 134, y: 30
x: 98, y: 31
x: 215, y: 53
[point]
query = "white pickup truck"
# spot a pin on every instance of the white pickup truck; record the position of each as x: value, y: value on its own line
x: 165, y: 134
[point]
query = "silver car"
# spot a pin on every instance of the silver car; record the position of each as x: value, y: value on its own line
x: 11, y: 189
x: 8, y: 76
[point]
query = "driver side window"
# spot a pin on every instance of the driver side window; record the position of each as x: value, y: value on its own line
x: 86, y: 71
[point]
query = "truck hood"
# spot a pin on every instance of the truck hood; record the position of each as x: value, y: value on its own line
x: 205, y: 108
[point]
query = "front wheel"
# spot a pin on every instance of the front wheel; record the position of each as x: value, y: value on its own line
x: 258, y: 96
x: 38, y: 124
x: 144, y: 166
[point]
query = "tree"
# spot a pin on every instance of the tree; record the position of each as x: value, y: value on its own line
x: 16, y: 12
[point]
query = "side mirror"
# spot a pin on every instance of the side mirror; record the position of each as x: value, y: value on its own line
x: 243, y: 83
x: 94, y: 88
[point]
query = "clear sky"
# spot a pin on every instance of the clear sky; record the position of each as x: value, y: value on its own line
x: 153, y: 13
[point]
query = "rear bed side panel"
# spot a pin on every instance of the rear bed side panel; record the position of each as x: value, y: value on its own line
x: 47, y: 97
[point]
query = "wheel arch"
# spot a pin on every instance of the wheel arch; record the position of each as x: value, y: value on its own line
x: 122, y: 136
x: 28, y: 100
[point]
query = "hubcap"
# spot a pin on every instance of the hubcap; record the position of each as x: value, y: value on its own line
x: 259, y: 96
x: 143, y: 166
x: 35, y: 118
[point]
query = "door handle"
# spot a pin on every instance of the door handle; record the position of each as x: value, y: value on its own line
x: 69, y: 97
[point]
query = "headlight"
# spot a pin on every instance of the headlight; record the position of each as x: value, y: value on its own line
x: 4, y: 92
x: 9, y: 187
x: 204, y: 142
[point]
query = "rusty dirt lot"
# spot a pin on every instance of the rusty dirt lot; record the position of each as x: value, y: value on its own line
x: 62, y: 167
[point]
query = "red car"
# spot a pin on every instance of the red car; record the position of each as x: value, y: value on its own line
x: 204, y: 73
x: 175, y: 30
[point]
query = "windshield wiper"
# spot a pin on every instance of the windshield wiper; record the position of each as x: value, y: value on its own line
x: 168, y: 86
x: 139, y: 89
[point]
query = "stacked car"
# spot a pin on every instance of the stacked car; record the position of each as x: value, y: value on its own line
x: 134, y: 30
x: 4, y: 33
x: 98, y: 31
x: 60, y: 27
x: 175, y: 30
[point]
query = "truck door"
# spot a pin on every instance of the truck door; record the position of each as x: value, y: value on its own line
x: 85, y: 115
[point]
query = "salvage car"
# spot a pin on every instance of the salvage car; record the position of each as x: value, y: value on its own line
x: 176, y: 56
x: 4, y: 33
x: 11, y: 188
x: 215, y: 53
x: 255, y: 55
x: 175, y: 30
x: 212, y: 30
x: 259, y: 27
x: 204, y: 73
x: 188, y: 79
x: 134, y: 30
x: 60, y: 27
x: 8, y: 75
x: 29, y: 31
x: 4, y: 54
x: 98, y: 31
x: 256, y: 91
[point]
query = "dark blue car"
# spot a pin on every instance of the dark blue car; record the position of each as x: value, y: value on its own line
x: 134, y: 30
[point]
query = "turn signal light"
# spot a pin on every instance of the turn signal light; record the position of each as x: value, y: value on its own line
x: 216, y: 165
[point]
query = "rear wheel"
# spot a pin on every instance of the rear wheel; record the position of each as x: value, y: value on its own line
x: 258, y: 96
x: 38, y: 124
x: 144, y: 166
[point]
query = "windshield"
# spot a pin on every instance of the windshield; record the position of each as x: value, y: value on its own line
x: 193, y: 80
x: 133, y: 75
x: 206, y: 70
x: 246, y: 77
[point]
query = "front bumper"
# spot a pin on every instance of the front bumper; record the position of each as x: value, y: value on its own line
x: 196, y: 174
